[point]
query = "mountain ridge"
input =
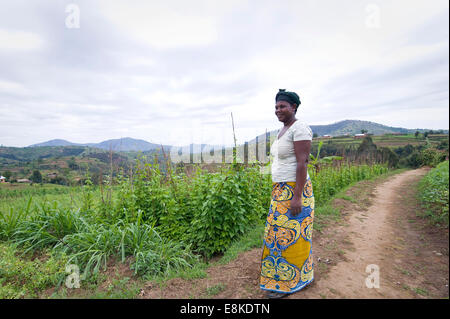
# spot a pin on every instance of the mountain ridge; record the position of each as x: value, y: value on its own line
x: 335, y: 129
x: 124, y: 144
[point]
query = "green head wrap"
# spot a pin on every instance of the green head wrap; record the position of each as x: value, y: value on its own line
x: 287, y: 96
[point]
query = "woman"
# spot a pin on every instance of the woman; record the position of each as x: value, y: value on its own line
x: 287, y: 263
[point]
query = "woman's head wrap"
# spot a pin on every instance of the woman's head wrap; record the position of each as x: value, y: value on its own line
x: 287, y: 96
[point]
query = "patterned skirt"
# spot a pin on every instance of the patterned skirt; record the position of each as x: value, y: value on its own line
x: 287, y: 263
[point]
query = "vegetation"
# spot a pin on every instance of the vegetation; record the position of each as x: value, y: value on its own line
x: 434, y: 194
x: 330, y: 180
x: 163, y: 221
x: 396, y: 150
x: 22, y: 277
x: 159, y: 224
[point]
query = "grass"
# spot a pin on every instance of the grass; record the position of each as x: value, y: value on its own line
x: 25, y: 276
x: 434, y: 196
x: 421, y: 291
x: 214, y: 290
x: 324, y: 215
x: 254, y: 238
x: 346, y: 197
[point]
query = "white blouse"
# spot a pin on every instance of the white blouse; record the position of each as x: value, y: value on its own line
x: 284, y: 162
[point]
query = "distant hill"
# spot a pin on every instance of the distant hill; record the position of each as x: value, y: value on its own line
x: 352, y: 127
x: 125, y: 144
x: 355, y: 126
x: 56, y: 142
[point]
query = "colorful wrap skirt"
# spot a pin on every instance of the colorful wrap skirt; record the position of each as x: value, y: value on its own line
x: 287, y: 262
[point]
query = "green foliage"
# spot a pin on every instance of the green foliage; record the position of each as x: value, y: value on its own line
x: 228, y: 207
x: 46, y: 227
x: 389, y: 156
x: 434, y: 194
x: 22, y: 277
x: 316, y: 161
x: 154, y: 220
x: 11, y: 220
x: 253, y: 238
x: 7, y: 174
x: 72, y: 164
x: 152, y: 254
x: 36, y: 177
x: 329, y: 180
x: 367, y: 145
x: 428, y: 156
x: 87, y: 195
x: 431, y: 156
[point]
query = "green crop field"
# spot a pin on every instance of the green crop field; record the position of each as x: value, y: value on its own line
x: 160, y: 225
x: 387, y: 140
x: 163, y: 221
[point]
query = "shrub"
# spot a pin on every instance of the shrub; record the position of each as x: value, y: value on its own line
x: 226, y: 209
x: 431, y: 156
x: 434, y: 194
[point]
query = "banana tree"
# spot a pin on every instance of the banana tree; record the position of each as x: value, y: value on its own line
x: 316, y: 161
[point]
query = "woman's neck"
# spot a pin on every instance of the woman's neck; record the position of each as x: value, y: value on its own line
x: 292, y: 120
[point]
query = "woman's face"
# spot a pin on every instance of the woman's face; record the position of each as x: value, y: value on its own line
x: 284, y: 111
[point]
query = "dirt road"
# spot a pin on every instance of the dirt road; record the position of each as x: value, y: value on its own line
x: 379, y: 236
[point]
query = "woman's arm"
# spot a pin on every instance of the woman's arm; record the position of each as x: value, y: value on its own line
x: 302, y: 150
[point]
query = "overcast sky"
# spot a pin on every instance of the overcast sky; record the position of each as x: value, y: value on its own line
x: 172, y: 72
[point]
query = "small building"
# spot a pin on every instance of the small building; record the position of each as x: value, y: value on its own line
x: 360, y: 135
x: 23, y: 180
x: 326, y: 136
x: 2, y: 179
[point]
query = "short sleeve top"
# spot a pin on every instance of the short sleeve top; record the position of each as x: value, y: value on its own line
x: 284, y: 161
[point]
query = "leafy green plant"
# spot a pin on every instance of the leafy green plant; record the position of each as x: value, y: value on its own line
x: 329, y: 180
x: 316, y: 161
x: 226, y: 210
x: 25, y: 278
x: 434, y: 194
x: 47, y: 226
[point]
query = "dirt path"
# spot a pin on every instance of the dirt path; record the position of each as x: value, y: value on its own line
x: 379, y: 227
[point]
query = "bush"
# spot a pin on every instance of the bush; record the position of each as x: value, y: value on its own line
x: 434, y: 194
x: 227, y: 206
x: 431, y: 157
x: 414, y: 160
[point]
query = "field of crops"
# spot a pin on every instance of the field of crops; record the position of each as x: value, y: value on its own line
x: 159, y: 224
x: 387, y: 140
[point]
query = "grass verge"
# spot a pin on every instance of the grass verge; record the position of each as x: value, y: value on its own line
x: 433, y: 195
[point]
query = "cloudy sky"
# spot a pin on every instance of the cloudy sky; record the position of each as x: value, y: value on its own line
x: 172, y: 72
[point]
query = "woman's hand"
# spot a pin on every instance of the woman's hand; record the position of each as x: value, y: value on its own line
x: 296, y: 205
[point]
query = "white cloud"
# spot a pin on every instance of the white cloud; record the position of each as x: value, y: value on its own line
x: 12, y: 87
x: 163, y: 24
x: 20, y: 40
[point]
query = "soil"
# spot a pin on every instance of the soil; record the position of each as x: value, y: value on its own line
x: 379, y: 229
